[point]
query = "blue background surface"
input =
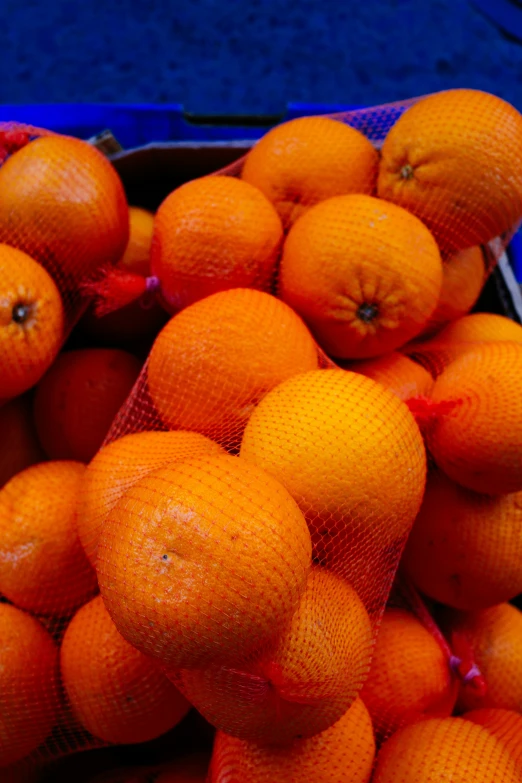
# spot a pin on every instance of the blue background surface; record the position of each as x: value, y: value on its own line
x: 238, y: 56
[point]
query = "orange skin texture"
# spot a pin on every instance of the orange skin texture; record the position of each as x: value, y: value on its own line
x: 409, y: 678
x: 18, y: 433
x: 205, y: 538
x: 212, y: 234
x: 505, y: 725
x: 76, y: 402
x: 305, y: 681
x: 343, y: 752
x: 454, y: 159
x: 351, y: 455
x: 463, y: 278
x: 364, y: 274
x: 478, y: 442
x: 62, y: 202
x: 440, y: 749
x: 494, y: 637
x: 42, y: 564
x: 398, y: 373
x: 30, y: 337
x: 213, y: 362
x: 120, y: 464
x: 307, y: 160
x: 28, y: 685
x: 465, y: 548
x: 459, y: 337
x: 116, y: 692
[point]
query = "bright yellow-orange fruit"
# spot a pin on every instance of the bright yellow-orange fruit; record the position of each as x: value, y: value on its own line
x: 212, y: 234
x: 444, y: 749
x: 350, y: 453
x: 304, y: 161
x: 342, y: 753
x: 454, y: 159
x: 42, y: 564
x: 120, y: 464
x: 364, y: 274
x: 304, y: 682
x: 28, y: 684
x: 409, y: 678
x: 465, y: 549
x: 31, y: 321
x: 478, y: 442
x: 214, y: 361
x: 116, y: 692
x: 206, y: 539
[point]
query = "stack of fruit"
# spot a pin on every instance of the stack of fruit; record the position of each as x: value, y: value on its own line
x: 220, y: 528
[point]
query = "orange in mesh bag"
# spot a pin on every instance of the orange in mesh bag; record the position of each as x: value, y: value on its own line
x: 63, y: 214
x: 441, y: 749
x: 120, y: 464
x: 343, y: 752
x: 205, y: 562
x: 303, y: 682
x: 454, y: 160
x: 116, y: 692
x: 62, y: 203
x: 465, y: 548
x: 307, y: 160
x: 505, y: 725
x: 473, y: 430
x: 460, y: 336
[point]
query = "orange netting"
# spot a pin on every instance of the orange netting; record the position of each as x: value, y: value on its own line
x: 317, y: 408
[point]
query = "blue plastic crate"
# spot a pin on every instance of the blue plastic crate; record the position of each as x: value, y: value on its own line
x: 135, y: 125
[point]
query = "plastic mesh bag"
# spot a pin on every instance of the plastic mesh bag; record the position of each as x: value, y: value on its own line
x: 246, y: 516
x: 63, y: 215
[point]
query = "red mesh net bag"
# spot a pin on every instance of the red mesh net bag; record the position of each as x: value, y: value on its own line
x: 245, y: 518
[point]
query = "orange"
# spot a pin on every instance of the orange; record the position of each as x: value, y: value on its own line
x: 397, y: 372
x: 307, y: 160
x: 31, y: 321
x: 444, y: 749
x: 351, y: 455
x: 463, y: 278
x: 505, y: 725
x: 214, y: 361
x: 76, y: 402
x: 409, y: 678
x: 461, y: 336
x: 364, y: 274
x: 478, y: 441
x: 494, y: 636
x: 142, y: 319
x: 344, y: 752
x: 212, y: 234
x: 465, y: 549
x: 42, y: 564
x: 454, y: 159
x: 187, y: 769
x: 18, y: 435
x: 28, y: 684
x: 481, y: 327
x: 116, y: 692
x: 119, y: 465
x: 63, y: 203
x: 304, y: 682
x: 219, y: 555
x: 136, y: 257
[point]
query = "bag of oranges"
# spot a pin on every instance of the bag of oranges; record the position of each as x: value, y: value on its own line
x: 232, y: 546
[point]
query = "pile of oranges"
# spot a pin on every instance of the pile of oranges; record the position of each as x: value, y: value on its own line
x: 272, y: 471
